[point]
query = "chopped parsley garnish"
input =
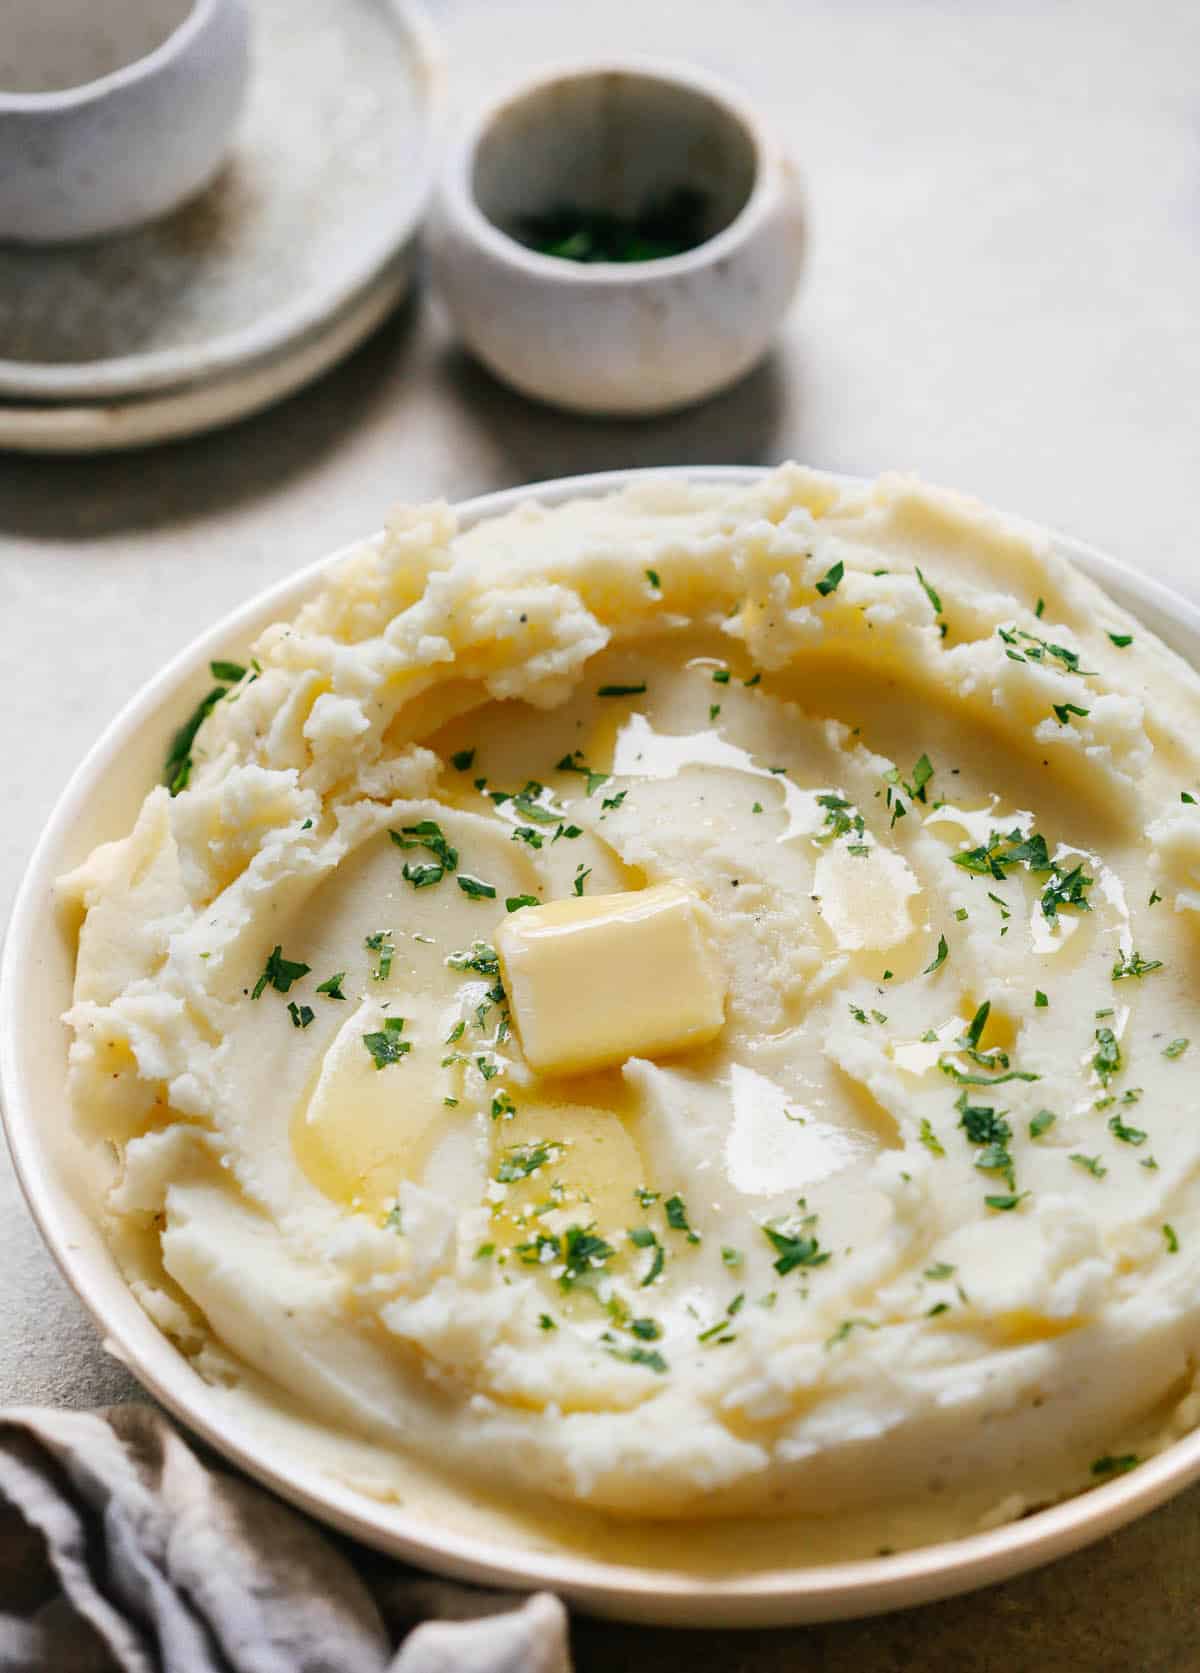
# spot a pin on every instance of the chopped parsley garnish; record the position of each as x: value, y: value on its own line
x: 581, y: 876
x: 753, y: 680
x: 381, y: 942
x: 795, y: 1245
x: 1064, y: 711
x: 714, y: 710
x: 1041, y: 1123
x: 475, y: 887
x: 840, y: 819
x: 843, y: 1330
x: 177, y: 768
x: 1093, y: 1164
x: 574, y: 763
x: 1107, y: 1059
x: 1127, y: 1135
x: 463, y: 760
x: 939, y: 957
x: 1033, y: 649
x: 278, y: 973
x: 649, y: 1357
x: 859, y: 1015
x: 1110, y: 1466
x: 930, y: 1139
x: 1176, y: 1048
x: 301, y: 1015
x: 568, y: 831
x: 583, y: 1252
x: 331, y: 987
x: 930, y: 593
x: 832, y: 579
x: 422, y: 876
x: 1171, y: 1238
x: 730, y: 1256
x: 502, y: 1105
x: 1120, y: 640
x: 646, y: 1197
x: 649, y: 1330
x: 1134, y: 965
x: 921, y: 775
x: 230, y: 672
x: 1005, y: 1204
x: 393, y: 1220
x: 677, y: 1218
x: 527, y: 834
x: 428, y: 834
x: 1039, y: 999
x: 642, y: 1237
x: 521, y: 1160
x: 514, y: 903
x: 652, y: 577
x: 621, y: 690
x: 1007, y: 849
x: 545, y: 1322
x: 940, y: 1272
x: 386, y: 1046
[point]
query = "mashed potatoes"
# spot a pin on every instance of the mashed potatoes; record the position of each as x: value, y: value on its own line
x: 911, y: 1218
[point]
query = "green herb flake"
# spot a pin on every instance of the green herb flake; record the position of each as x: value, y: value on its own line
x: 386, y: 1046
x: 574, y: 763
x: 1039, y: 999
x: 331, y: 987
x: 930, y: 1139
x: 393, y: 1220
x: 474, y: 887
x: 428, y: 834
x: 1092, y: 1164
x: 1121, y: 640
x: 301, y: 1015
x: 930, y: 593
x: 1064, y: 711
x: 278, y: 973
x: 1110, y: 1466
x: 1176, y: 1048
x: 621, y: 690
x: 1041, y: 1123
x: 463, y: 760
x: 381, y: 942
x: 608, y: 803
x: 1006, y: 1203
x: 940, y: 1272
x: 794, y: 1246
x: 1134, y: 965
x: 677, y: 1218
x: 514, y: 903
x: 831, y: 580
x: 1107, y: 1059
x: 721, y: 676
x: 730, y: 1256
x: 545, y: 1322
x: 1127, y: 1135
x: 939, y: 957
x: 581, y: 876
x: 521, y: 1160
x: 714, y: 710
x: 652, y: 578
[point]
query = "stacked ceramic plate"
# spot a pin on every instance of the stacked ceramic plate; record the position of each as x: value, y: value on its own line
x: 298, y: 250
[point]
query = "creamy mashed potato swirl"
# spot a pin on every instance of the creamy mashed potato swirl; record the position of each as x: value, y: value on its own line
x: 920, y: 1225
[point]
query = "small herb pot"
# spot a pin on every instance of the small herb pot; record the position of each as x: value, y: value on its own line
x: 619, y: 147
x: 114, y: 111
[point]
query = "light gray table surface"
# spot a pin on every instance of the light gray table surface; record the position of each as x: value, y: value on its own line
x: 1003, y: 296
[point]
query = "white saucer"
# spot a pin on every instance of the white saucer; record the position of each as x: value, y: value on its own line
x: 284, y: 264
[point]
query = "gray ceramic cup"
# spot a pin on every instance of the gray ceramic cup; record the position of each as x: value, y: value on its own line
x: 113, y: 111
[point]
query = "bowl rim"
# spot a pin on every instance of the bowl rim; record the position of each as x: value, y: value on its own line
x: 779, y: 1596
x: 139, y: 374
x: 458, y: 189
x: 125, y: 75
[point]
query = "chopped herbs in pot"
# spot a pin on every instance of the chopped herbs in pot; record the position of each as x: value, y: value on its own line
x: 667, y: 224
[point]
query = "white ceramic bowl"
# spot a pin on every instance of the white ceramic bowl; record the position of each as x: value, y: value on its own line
x: 618, y: 338
x: 114, y: 111
x: 35, y: 988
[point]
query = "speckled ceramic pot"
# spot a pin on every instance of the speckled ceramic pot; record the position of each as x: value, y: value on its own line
x: 114, y: 111
x: 630, y: 337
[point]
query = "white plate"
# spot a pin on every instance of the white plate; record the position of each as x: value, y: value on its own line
x: 168, y: 414
x: 328, y: 180
x: 35, y: 988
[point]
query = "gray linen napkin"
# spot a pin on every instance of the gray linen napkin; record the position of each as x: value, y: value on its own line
x: 121, y: 1550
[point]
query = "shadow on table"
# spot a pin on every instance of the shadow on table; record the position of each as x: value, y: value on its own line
x: 531, y: 442
x: 1125, y: 1605
x: 65, y: 497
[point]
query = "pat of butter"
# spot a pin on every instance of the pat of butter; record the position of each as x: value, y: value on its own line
x: 594, y: 981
